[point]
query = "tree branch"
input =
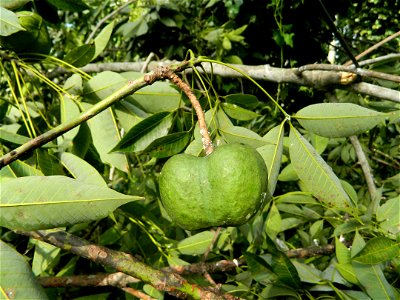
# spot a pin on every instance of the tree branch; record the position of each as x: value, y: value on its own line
x: 312, y: 78
x: 169, y: 282
x: 129, y: 88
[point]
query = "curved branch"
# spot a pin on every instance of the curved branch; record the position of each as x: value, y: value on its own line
x: 169, y: 282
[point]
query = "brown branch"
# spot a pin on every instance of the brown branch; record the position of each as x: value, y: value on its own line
x: 374, y: 47
x: 171, y: 283
x: 137, y: 294
x: 166, y: 72
x: 310, y: 251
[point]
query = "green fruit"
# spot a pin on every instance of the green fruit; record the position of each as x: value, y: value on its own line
x: 35, y: 39
x: 225, y: 188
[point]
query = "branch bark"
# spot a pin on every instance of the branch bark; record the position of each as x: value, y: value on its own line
x: 169, y: 282
x: 313, y: 78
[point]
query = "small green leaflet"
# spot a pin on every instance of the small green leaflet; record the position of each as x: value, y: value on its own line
x: 338, y: 119
x: 196, y: 244
x: 9, y: 23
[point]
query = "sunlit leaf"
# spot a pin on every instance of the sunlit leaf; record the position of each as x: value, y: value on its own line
x: 9, y: 23
x: 102, y: 39
x: 17, y: 279
x: 169, y: 145
x: 105, y: 136
x: 81, y: 170
x: 389, y: 215
x: 237, y: 134
x: 239, y: 113
x: 81, y: 55
x: 272, y: 155
x: 140, y: 136
x: 377, y: 250
x: 338, y: 119
x: 39, y: 202
x: 317, y: 176
x: 196, y: 244
x: 374, y: 282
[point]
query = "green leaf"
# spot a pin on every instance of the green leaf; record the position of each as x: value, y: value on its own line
x: 102, y: 39
x: 81, y: 170
x: 69, y: 111
x: 283, y: 267
x: 389, y: 215
x: 20, y: 169
x: 145, y: 132
x: 39, y: 202
x: 9, y: 23
x: 377, y: 250
x: 238, y: 113
x: 374, y: 282
x: 17, y: 280
x: 169, y: 145
x: 81, y: 55
x: 7, y: 136
x: 344, y: 266
x: 243, y: 100
x: 272, y: 155
x: 338, y: 119
x: 105, y: 136
x: 158, y: 97
x: 45, y: 255
x: 196, y: 244
x: 307, y: 273
x: 13, y: 4
x: 273, y: 222
x: 317, y: 176
x: 288, y: 173
x: 242, y: 135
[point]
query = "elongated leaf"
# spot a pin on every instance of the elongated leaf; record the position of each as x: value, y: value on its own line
x: 273, y: 222
x: 105, y: 136
x: 239, y: 113
x: 68, y: 111
x: 145, y: 132
x: 272, y: 155
x: 44, y: 256
x: 338, y: 119
x: 389, y: 215
x: 9, y: 23
x: 20, y: 169
x: 374, y: 282
x: 317, y: 176
x: 70, y: 5
x: 196, y: 244
x: 169, y: 145
x: 307, y: 273
x: 39, y: 202
x: 244, y: 100
x: 81, y: 170
x: 80, y: 56
x: 283, y: 267
x: 344, y: 266
x: 102, y: 39
x: 17, y: 280
x: 377, y: 250
x: 14, y: 138
x: 237, y: 134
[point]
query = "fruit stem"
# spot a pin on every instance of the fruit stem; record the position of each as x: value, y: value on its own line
x: 206, y: 139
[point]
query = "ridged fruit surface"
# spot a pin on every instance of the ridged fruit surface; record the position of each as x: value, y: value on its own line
x: 225, y: 188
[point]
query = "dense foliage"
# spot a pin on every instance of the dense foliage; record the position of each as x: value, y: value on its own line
x: 331, y: 228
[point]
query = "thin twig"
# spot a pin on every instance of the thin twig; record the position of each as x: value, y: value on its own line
x: 362, y: 160
x: 137, y: 294
x: 380, y: 59
x: 109, y: 16
x: 146, y: 63
x: 168, y: 73
x: 374, y: 47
